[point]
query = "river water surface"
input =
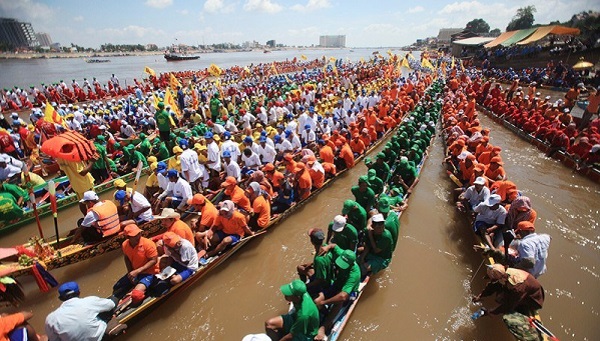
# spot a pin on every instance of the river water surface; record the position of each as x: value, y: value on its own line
x: 423, y: 295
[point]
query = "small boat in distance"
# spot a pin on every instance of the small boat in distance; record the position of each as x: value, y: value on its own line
x: 97, y: 60
x: 174, y: 55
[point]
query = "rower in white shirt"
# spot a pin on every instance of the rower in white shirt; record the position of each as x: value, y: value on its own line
x: 178, y: 191
x: 250, y: 161
x: 230, y: 146
x: 231, y: 167
x: 266, y: 152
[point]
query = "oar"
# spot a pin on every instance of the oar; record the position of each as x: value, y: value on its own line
x: 542, y: 329
x: 53, y: 206
x: 32, y: 198
x: 137, y: 175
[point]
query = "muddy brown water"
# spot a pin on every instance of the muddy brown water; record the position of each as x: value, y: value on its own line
x: 423, y: 295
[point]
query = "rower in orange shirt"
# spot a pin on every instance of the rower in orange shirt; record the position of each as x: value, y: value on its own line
x: 357, y: 145
x: 236, y: 194
x: 495, y: 171
x: 208, y: 213
x: 365, y: 137
x: 486, y: 157
x: 326, y: 152
x: 317, y: 173
x: 345, y: 153
x: 483, y: 146
x: 171, y: 220
x: 261, y: 207
x: 289, y: 162
x: 229, y: 228
x: 303, y: 181
x: 274, y: 176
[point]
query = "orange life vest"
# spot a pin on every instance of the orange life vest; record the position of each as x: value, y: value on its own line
x: 108, y: 218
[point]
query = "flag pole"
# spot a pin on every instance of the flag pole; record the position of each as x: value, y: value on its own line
x: 32, y: 198
x: 52, y: 191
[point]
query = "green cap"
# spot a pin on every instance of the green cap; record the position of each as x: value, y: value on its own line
x: 363, y: 178
x: 372, y: 174
x: 100, y: 138
x: 295, y: 288
x: 117, y: 145
x: 384, y: 205
x: 368, y: 161
x: 142, y: 136
x: 161, y: 105
x: 380, y: 155
x: 346, y: 259
x: 348, y: 206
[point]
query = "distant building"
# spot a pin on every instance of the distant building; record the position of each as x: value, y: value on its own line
x: 332, y: 41
x: 44, y: 39
x: 271, y: 43
x: 445, y: 34
x: 17, y: 34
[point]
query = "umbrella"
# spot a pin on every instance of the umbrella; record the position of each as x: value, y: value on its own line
x: 582, y: 65
x: 70, y: 146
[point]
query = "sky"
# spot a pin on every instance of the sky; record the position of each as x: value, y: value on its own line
x: 374, y: 23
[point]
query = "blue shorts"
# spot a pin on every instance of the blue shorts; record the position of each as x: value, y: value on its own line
x: 222, y: 235
x: 481, y: 226
x: 182, y: 271
x: 175, y: 202
x: 126, y: 284
x: 19, y: 334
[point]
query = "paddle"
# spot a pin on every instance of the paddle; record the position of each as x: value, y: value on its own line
x: 32, y: 198
x: 137, y: 175
x: 52, y: 191
x: 537, y: 324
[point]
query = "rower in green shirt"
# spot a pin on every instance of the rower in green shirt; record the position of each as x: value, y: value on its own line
x: 375, y: 183
x: 342, y: 234
x: 162, y: 152
x: 163, y: 122
x: 319, y: 270
x: 363, y: 195
x: 381, y: 245
x: 302, y: 323
x: 392, y: 223
x: 19, y: 194
x: 145, y: 146
x: 355, y: 215
x: 381, y: 167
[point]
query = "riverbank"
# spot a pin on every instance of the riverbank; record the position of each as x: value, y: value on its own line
x: 542, y: 59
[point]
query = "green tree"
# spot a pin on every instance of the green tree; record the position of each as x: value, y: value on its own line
x: 495, y: 32
x: 478, y: 26
x: 523, y: 19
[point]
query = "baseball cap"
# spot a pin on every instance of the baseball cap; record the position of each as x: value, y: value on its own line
x: 172, y: 173
x: 479, y: 181
x: 384, y: 205
x: 67, y: 288
x: 89, y: 196
x: 346, y: 259
x: 171, y: 239
x: 197, y: 199
x: 161, y: 167
x: 120, y: 196
x: 268, y: 167
x: 493, y: 200
x: 525, y: 226
x: 227, y: 135
x: 339, y: 222
x: 316, y: 234
x: 295, y: 288
x: 248, y: 139
x: 348, y: 206
x: 132, y: 230
x: 378, y: 218
x: 226, y: 153
x: 119, y: 183
x: 229, y: 181
x: 208, y: 135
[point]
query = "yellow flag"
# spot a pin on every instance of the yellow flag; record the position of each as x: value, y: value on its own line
x: 170, y: 100
x: 214, y: 70
x: 462, y: 67
x: 405, y: 63
x: 426, y: 63
x: 362, y: 60
x: 274, y: 69
x: 173, y: 82
x: 50, y: 115
x: 303, y: 57
x: 332, y: 59
x: 149, y: 71
x: 410, y: 56
x: 452, y: 64
x: 389, y: 52
x: 156, y: 101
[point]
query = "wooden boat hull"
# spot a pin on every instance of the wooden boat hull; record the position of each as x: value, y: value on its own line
x: 175, y: 58
x: 131, y: 315
x: 71, y: 254
x: 569, y: 161
x: 45, y: 209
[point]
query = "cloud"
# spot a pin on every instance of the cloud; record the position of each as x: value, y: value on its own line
x: 26, y: 10
x: 312, y: 5
x: 78, y: 18
x: 267, y: 6
x: 416, y: 9
x: 131, y: 34
x: 159, y: 3
x: 218, y: 6
x: 384, y: 29
x: 183, y: 12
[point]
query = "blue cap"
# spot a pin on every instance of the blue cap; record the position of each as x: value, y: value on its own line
x: 289, y: 116
x: 321, y: 141
x: 301, y: 108
x: 161, y: 167
x: 120, y: 196
x: 262, y: 139
x: 172, y: 173
x: 227, y: 134
x: 226, y: 153
x: 248, y: 139
x: 68, y: 288
x: 311, y: 109
x: 263, y: 133
x: 288, y: 133
x: 208, y: 135
x: 277, y: 138
x: 307, y: 126
x: 183, y: 142
x: 325, y: 121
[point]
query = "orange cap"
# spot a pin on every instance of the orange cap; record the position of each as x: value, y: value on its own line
x: 170, y: 239
x: 197, y: 199
x: 229, y: 181
x: 132, y: 230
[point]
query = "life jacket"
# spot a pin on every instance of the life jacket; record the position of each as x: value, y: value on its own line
x: 108, y: 218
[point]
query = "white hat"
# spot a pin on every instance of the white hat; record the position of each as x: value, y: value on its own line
x: 102, y: 127
x: 89, y: 196
x: 4, y: 158
x: 378, y: 218
x: 339, y: 221
x: 479, y: 181
x: 493, y: 200
x: 566, y: 110
x: 547, y: 97
x: 256, y: 337
x: 463, y: 155
x: 595, y: 148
